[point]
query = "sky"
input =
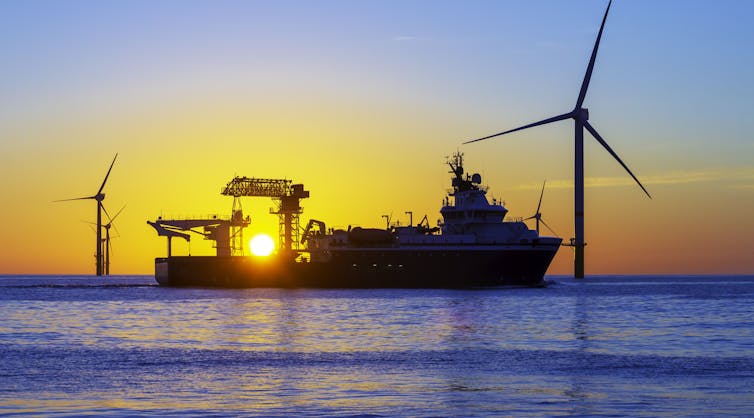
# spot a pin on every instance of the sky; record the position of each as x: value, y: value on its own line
x: 361, y: 101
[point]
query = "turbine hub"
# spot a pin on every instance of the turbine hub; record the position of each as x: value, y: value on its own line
x: 581, y: 114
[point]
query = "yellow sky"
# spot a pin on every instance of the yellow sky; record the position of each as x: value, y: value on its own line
x: 361, y: 103
x: 176, y: 165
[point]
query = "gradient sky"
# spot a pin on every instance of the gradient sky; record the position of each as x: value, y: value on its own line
x: 361, y: 101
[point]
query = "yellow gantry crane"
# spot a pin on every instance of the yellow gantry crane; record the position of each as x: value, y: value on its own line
x: 287, y: 197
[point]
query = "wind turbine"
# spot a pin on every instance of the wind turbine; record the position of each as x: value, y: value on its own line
x: 99, y: 197
x: 580, y: 116
x: 538, y: 215
x: 107, y: 237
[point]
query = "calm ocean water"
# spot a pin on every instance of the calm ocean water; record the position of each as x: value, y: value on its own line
x: 604, y: 346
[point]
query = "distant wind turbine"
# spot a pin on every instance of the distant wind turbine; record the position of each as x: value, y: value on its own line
x: 538, y: 215
x: 580, y: 116
x: 108, y: 246
x: 99, y: 197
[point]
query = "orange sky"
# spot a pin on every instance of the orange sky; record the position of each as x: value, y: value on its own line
x: 362, y: 107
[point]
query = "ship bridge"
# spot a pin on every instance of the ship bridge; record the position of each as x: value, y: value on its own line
x: 470, y: 210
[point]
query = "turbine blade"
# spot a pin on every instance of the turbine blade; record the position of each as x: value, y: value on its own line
x: 599, y: 139
x: 118, y: 213
x: 590, y: 67
x: 530, y: 217
x: 107, y: 175
x: 112, y: 221
x: 531, y: 125
x: 75, y: 198
x: 548, y: 227
x: 107, y: 214
x: 540, y: 196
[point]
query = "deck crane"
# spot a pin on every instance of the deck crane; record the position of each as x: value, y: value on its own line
x: 214, y: 228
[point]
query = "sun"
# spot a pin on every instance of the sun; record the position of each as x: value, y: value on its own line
x: 262, y: 245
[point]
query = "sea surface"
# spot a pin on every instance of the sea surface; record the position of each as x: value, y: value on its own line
x: 658, y: 346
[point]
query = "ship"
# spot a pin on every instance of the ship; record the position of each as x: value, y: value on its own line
x: 473, y: 245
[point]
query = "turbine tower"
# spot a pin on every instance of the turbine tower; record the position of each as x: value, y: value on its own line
x: 99, y: 197
x: 580, y: 116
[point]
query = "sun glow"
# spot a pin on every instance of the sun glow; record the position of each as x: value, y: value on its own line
x: 262, y: 245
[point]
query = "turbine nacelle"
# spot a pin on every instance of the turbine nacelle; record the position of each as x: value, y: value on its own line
x: 581, y: 114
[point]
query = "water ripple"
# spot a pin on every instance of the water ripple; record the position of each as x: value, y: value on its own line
x: 606, y: 346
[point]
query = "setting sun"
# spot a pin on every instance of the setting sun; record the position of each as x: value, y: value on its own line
x: 262, y: 245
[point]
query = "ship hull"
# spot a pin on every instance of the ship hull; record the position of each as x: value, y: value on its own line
x: 365, y: 268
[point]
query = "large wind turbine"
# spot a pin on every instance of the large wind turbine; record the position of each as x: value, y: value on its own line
x: 99, y: 197
x: 580, y: 116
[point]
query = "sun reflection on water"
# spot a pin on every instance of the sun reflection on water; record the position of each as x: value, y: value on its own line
x: 567, y: 349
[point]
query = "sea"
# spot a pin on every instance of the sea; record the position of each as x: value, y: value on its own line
x: 604, y: 346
